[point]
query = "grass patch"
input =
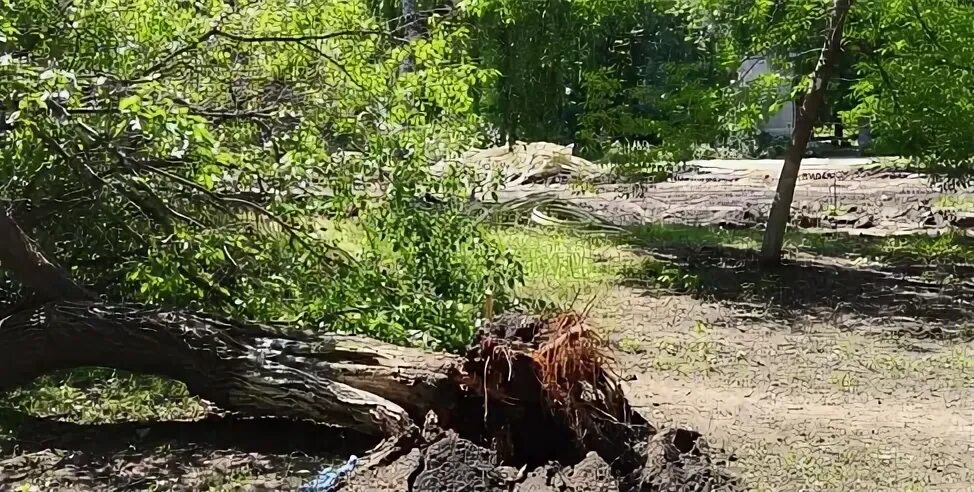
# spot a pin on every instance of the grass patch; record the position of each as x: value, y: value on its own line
x: 631, y: 346
x: 959, y: 203
x: 652, y: 274
x: 89, y: 396
x: 834, y: 465
x: 665, y: 236
x: 953, y: 368
x: 561, y: 267
x: 96, y: 395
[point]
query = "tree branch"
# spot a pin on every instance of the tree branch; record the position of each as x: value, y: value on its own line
x: 23, y: 257
x: 292, y: 39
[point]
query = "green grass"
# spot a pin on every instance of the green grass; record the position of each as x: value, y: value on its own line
x: 674, y: 236
x: 95, y: 395
x: 697, y: 356
x: 960, y: 203
x: 102, y: 395
x: 562, y: 268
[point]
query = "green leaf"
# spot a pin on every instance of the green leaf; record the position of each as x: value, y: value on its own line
x: 128, y: 102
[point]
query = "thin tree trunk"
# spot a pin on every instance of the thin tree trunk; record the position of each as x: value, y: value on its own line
x: 774, y: 235
x: 410, y: 20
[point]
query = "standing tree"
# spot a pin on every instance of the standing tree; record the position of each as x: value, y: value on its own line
x: 781, y: 207
x: 905, y: 69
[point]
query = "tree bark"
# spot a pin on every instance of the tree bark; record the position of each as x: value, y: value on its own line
x: 21, y: 255
x: 774, y: 235
x: 410, y: 21
x: 361, y: 384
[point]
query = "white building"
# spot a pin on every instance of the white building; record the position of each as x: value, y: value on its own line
x: 781, y: 123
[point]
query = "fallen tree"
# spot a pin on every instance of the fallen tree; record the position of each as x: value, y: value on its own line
x: 529, y: 392
x: 244, y: 367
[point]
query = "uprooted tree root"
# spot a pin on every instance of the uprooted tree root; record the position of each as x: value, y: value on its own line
x: 549, y: 375
x: 543, y: 411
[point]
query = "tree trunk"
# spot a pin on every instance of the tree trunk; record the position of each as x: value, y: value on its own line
x: 781, y: 206
x: 251, y: 368
x: 20, y: 254
x: 361, y: 384
x: 411, y: 23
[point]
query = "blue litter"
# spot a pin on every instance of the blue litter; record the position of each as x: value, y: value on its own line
x: 328, y: 478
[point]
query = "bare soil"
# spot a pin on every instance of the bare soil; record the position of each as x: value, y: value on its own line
x: 827, y: 374
x: 841, y: 195
x: 801, y: 402
x: 212, y: 454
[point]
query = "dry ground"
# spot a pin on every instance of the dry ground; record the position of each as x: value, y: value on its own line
x: 847, y: 195
x: 807, y: 406
x: 850, y: 368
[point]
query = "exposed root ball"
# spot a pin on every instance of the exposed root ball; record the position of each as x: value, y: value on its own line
x: 542, y: 411
x: 547, y: 393
x: 572, y: 365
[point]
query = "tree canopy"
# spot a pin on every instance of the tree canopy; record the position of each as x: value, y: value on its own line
x: 143, y: 139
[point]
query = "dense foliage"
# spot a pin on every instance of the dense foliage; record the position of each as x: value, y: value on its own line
x: 269, y: 158
x: 203, y: 153
x: 916, y: 81
x: 905, y: 70
x: 594, y: 72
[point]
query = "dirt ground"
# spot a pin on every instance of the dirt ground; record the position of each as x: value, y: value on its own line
x: 800, y: 402
x: 831, y: 375
x: 213, y: 454
x: 851, y: 196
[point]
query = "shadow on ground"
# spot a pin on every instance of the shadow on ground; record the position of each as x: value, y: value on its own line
x: 926, y: 297
x: 216, y: 452
x: 947, y: 252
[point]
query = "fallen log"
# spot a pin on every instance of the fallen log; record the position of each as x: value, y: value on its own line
x: 251, y: 368
x: 529, y: 391
x: 248, y: 368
